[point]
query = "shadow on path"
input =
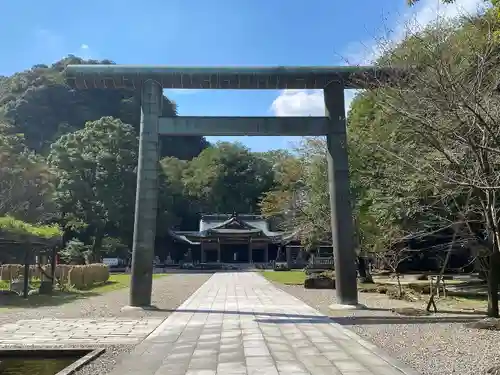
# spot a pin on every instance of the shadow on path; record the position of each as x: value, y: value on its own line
x: 281, y: 318
x: 372, y: 320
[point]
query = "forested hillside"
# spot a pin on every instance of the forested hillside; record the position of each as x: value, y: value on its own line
x: 41, y: 106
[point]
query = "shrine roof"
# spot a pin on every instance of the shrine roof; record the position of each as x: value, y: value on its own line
x: 229, y: 224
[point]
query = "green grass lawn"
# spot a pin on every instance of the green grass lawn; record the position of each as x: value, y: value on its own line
x: 285, y: 277
x: 450, y: 303
x: 115, y: 282
x: 298, y: 277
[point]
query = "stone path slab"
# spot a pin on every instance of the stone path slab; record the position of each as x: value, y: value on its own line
x: 45, y: 332
x: 239, y: 323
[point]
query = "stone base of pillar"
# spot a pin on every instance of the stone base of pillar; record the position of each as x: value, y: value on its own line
x: 339, y: 306
x: 138, y: 308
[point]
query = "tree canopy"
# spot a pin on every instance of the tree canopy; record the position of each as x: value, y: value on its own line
x: 13, y: 226
x: 38, y: 104
x: 227, y: 178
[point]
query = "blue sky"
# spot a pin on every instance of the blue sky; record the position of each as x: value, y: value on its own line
x: 212, y: 33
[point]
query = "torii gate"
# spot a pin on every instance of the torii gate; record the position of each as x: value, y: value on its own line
x: 151, y: 80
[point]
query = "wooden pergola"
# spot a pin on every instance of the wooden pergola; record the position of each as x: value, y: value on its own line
x: 23, y: 248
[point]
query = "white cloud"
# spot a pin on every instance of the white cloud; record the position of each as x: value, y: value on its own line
x: 349, y: 97
x: 305, y: 102
x: 426, y: 12
x: 431, y: 10
x: 299, y: 103
x: 53, y: 46
x: 310, y: 102
x: 84, y: 52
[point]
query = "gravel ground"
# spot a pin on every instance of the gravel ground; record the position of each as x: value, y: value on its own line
x: 439, y: 344
x: 106, y: 361
x: 168, y: 293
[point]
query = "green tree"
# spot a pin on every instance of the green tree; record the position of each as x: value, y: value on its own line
x: 445, y: 117
x: 227, y: 177
x: 389, y: 195
x: 175, y: 207
x: 75, y: 252
x: 300, y: 197
x: 96, y: 177
x: 114, y: 248
x: 278, y: 203
x: 26, y: 183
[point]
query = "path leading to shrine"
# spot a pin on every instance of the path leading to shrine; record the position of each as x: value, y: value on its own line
x: 239, y: 323
x: 168, y: 293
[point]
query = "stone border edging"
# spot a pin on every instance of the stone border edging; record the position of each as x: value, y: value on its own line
x: 75, y: 366
x: 92, y: 354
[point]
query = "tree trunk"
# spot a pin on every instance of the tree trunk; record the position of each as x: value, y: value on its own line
x: 364, y: 272
x: 400, y: 287
x: 493, y: 280
x: 361, y: 267
x: 96, y: 247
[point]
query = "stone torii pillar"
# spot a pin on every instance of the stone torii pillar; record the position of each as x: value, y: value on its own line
x: 146, y: 201
x: 340, y: 202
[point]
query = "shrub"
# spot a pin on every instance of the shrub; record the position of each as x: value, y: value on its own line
x: 114, y: 248
x: 372, y: 288
x: 382, y: 289
x: 421, y: 288
x: 405, y: 294
x: 329, y: 273
x: 319, y: 282
x: 281, y: 267
x: 75, y: 252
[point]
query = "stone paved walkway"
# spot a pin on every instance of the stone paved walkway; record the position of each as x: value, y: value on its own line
x: 239, y: 323
x: 50, y: 332
x: 168, y: 294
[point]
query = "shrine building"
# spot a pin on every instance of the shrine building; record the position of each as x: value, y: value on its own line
x: 232, y: 238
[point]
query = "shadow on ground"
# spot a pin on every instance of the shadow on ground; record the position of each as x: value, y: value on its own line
x: 372, y: 320
x: 200, y: 271
x: 279, y: 318
x: 57, y: 298
x: 469, y: 290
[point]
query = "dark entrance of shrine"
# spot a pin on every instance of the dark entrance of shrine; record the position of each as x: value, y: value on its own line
x: 234, y: 253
